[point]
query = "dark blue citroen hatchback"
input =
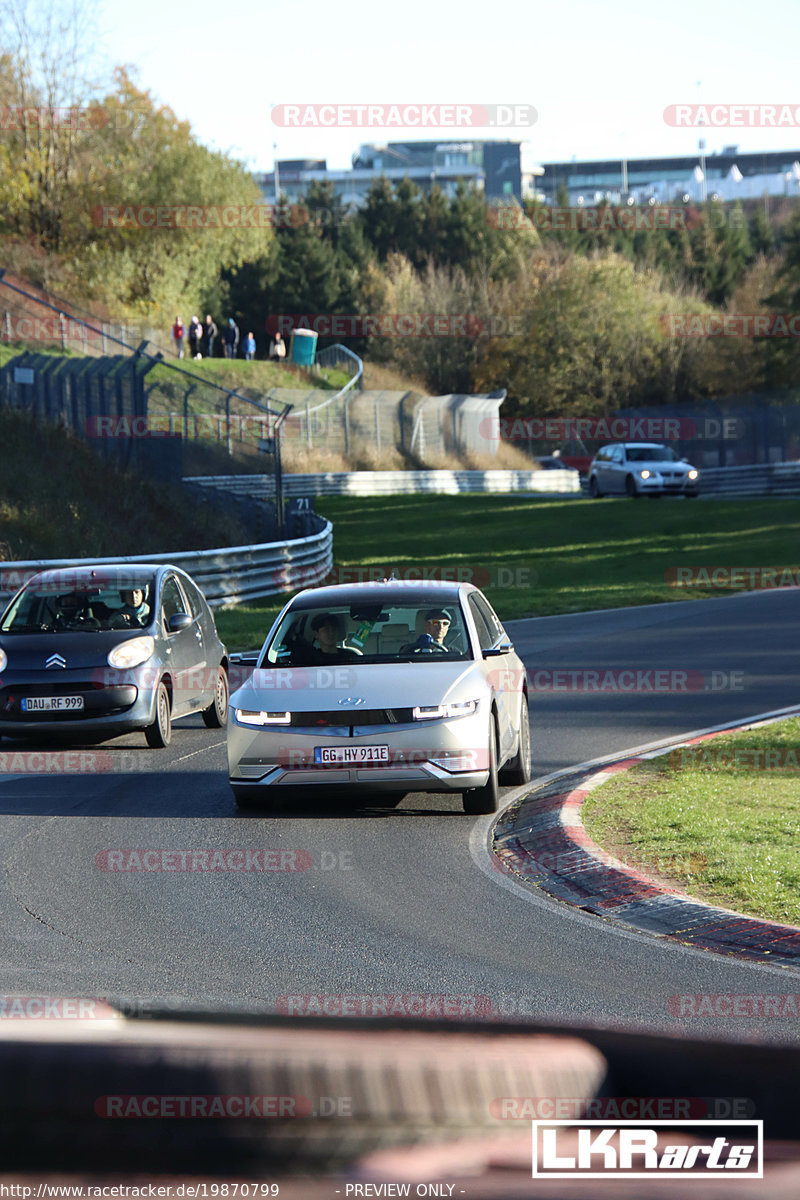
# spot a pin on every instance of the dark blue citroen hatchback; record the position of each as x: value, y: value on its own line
x: 96, y: 651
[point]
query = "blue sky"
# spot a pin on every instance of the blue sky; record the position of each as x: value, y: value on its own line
x: 599, y: 74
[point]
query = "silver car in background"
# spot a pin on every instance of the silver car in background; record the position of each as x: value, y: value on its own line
x: 388, y: 686
x: 641, y: 469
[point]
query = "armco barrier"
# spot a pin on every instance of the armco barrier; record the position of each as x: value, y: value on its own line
x: 760, y: 479
x: 391, y: 483
x: 230, y: 575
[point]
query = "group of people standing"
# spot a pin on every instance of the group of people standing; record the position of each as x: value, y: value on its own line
x: 202, y: 337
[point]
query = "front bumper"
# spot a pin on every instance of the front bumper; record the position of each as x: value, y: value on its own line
x: 657, y: 486
x: 107, y: 707
x: 435, y: 756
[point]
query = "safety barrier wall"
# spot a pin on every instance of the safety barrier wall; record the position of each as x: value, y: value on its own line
x: 390, y: 483
x: 230, y: 575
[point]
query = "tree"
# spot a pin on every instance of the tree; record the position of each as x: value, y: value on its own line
x: 762, y: 239
x: 45, y: 118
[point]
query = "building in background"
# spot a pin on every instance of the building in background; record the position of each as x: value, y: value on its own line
x: 728, y: 175
x: 505, y: 171
x: 501, y: 170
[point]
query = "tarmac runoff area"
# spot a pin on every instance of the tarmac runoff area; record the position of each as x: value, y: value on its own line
x: 541, y: 841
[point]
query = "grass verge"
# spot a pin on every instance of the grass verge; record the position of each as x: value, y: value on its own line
x: 718, y: 820
x: 536, y: 557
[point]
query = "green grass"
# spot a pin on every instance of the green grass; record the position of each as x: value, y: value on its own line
x: 59, y: 499
x: 536, y: 557
x: 724, y: 833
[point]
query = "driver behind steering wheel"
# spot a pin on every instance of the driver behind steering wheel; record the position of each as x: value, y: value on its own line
x: 437, y: 627
x: 134, y: 611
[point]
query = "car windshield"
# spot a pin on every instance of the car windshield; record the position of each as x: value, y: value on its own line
x: 368, y: 633
x: 650, y: 454
x: 71, y: 605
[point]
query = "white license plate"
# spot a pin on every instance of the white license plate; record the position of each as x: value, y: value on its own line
x: 52, y: 703
x: 350, y: 755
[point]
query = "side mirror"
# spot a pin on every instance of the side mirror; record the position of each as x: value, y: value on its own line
x: 496, y: 651
x: 179, y: 621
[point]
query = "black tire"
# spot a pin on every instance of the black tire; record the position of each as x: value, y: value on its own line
x: 159, y: 734
x: 216, y: 715
x: 518, y: 769
x: 485, y: 799
x: 631, y: 489
x: 594, y: 488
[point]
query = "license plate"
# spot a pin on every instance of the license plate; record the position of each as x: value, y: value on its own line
x: 52, y: 703
x: 350, y: 755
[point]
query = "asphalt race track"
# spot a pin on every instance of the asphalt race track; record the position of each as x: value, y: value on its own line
x: 388, y: 899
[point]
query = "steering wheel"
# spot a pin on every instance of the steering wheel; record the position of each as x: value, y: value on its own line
x: 434, y: 648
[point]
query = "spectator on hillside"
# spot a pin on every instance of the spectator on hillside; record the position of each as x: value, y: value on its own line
x: 195, y: 337
x: 250, y: 347
x: 177, y: 336
x: 277, y: 348
x: 210, y: 332
x: 231, y: 338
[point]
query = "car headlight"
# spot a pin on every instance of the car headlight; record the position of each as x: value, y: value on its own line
x: 3, y: 660
x: 247, y: 716
x: 462, y: 708
x: 132, y: 653
x: 693, y: 474
x: 645, y: 474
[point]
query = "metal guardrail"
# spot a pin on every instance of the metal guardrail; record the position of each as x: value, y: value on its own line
x: 391, y: 483
x: 226, y: 576
x: 760, y: 479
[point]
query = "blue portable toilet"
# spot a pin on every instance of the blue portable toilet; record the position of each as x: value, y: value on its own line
x: 304, y: 347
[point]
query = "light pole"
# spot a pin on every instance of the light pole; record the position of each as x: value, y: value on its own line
x: 701, y: 146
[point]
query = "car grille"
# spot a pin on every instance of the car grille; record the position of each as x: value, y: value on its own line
x: 352, y: 716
